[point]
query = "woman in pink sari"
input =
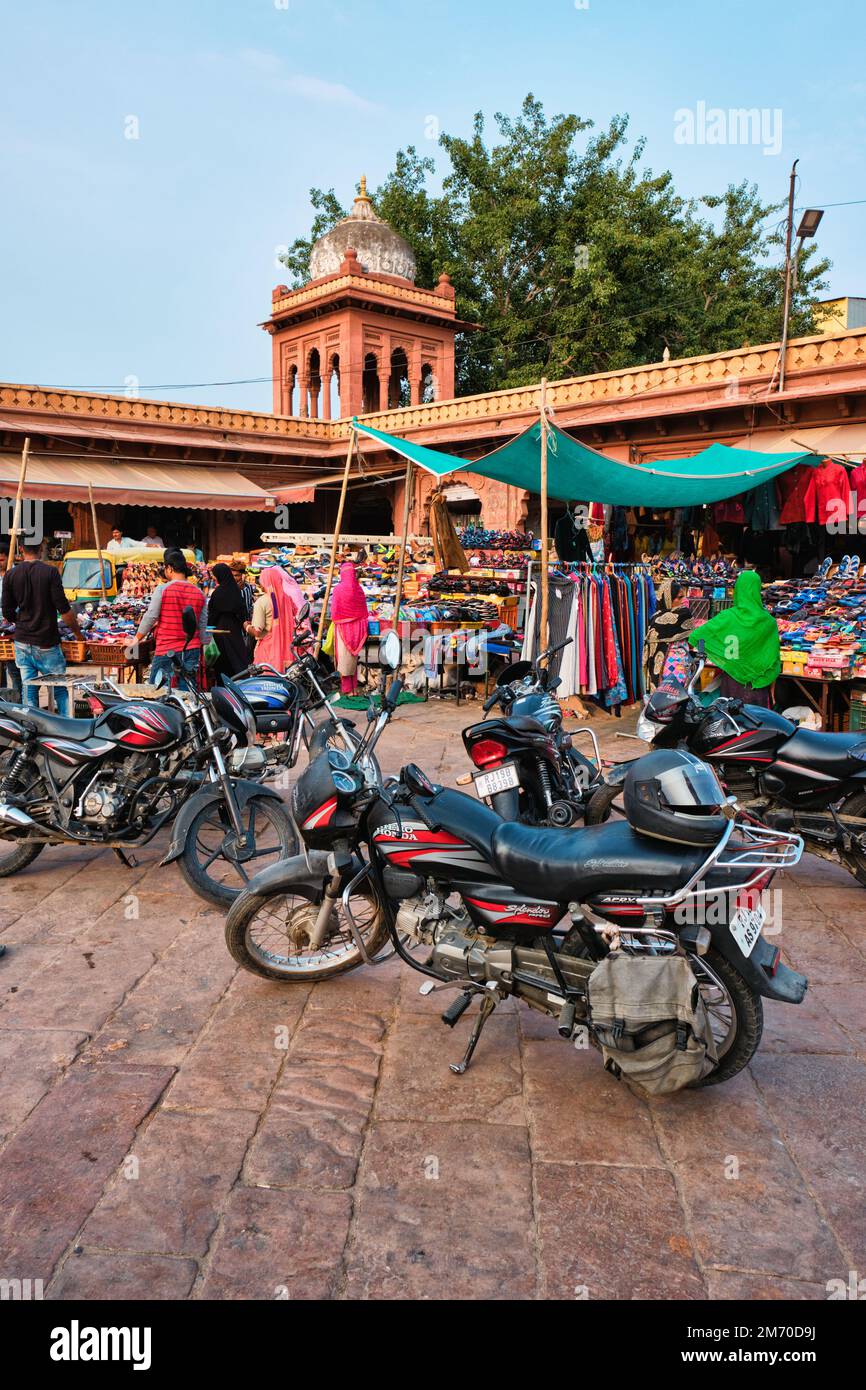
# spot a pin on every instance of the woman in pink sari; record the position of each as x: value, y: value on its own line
x: 273, y: 620
x: 349, y: 616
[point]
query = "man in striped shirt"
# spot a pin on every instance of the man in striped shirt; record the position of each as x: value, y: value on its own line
x: 164, y: 613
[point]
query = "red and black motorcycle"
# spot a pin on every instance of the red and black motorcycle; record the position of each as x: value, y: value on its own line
x: 508, y: 909
x: 115, y: 780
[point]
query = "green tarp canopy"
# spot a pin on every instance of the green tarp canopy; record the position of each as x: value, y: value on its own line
x: 577, y: 473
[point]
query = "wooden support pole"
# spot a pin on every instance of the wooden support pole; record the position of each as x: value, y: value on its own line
x: 16, y: 515
x: 337, y: 525
x: 543, y: 634
x: 96, y: 541
x: 407, y: 504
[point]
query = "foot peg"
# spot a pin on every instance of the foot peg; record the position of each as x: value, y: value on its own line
x: 488, y: 1004
x: 457, y: 1009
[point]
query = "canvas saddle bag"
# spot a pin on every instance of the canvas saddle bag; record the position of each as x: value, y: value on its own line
x: 648, y: 1016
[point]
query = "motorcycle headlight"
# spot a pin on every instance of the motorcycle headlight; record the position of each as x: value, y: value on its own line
x: 646, y: 729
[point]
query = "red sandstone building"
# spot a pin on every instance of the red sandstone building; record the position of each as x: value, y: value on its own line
x: 362, y: 338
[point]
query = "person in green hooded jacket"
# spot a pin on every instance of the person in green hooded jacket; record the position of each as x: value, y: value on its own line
x: 743, y: 642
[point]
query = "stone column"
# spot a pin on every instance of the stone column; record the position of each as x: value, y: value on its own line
x: 384, y: 386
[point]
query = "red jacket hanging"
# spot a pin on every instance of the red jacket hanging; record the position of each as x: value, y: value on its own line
x: 827, y: 494
x: 794, y: 485
x: 857, y: 481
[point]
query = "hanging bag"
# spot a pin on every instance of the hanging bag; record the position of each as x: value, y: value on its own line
x: 649, y: 1018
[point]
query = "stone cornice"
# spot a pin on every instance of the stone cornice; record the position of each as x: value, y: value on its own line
x: 366, y: 284
x: 815, y: 366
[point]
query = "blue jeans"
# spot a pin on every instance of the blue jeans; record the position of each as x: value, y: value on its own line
x: 34, y: 662
x: 162, y: 667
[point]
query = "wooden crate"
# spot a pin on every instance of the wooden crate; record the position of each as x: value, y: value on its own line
x: 74, y: 651
x: 7, y: 650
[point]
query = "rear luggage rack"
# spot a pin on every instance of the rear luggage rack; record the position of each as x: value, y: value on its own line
x: 757, y: 847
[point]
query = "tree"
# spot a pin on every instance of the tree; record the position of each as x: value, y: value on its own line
x: 576, y: 260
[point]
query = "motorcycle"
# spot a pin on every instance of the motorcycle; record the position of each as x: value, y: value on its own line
x: 294, y: 706
x: 528, y: 767
x: 117, y: 779
x: 505, y: 909
x: 791, y: 778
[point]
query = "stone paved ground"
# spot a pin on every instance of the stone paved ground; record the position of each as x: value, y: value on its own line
x: 157, y: 1142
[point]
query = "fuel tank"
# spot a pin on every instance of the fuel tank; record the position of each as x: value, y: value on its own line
x: 141, y: 725
x: 761, y: 733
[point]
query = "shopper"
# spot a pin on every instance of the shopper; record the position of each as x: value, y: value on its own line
x: 743, y: 642
x: 665, y: 643
x: 226, y: 614
x: 248, y: 594
x: 273, y: 622
x: 32, y: 598
x: 164, y: 614
x: 119, y: 542
x: 9, y: 677
x: 151, y: 540
x: 349, y: 615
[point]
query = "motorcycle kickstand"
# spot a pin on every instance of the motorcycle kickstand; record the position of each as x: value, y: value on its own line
x: 129, y: 860
x: 488, y: 1004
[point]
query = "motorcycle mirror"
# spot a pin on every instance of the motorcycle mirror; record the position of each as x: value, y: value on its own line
x: 303, y: 612
x: 390, y: 650
x: 190, y: 621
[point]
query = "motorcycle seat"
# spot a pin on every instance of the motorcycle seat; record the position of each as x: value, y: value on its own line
x: 576, y: 864
x: 55, y: 725
x: 829, y: 754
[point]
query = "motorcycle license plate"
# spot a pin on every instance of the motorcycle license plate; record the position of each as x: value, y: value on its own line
x: 488, y: 783
x: 746, y: 924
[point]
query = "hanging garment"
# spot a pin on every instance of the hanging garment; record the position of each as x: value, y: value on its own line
x: 761, y: 507
x: 857, y: 481
x: 793, y: 486
x: 826, y: 496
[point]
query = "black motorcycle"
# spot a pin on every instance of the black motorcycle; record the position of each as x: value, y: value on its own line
x: 117, y: 779
x: 527, y: 766
x: 792, y: 778
x: 507, y: 909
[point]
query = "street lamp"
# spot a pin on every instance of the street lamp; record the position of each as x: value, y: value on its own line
x: 808, y: 227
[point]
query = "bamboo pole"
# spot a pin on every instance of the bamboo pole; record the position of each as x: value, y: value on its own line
x: 407, y: 503
x: 96, y: 541
x: 545, y: 543
x: 337, y: 525
x: 16, y: 515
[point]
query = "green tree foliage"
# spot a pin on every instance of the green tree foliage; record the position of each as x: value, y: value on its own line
x: 574, y: 257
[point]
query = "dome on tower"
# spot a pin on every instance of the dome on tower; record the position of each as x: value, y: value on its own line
x: 380, y: 250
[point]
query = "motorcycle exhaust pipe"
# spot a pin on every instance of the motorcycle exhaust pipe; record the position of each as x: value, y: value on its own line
x: 12, y: 818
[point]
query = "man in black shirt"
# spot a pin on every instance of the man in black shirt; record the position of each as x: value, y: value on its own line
x: 32, y: 598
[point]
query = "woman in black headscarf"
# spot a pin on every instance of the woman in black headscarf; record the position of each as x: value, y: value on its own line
x: 226, y: 613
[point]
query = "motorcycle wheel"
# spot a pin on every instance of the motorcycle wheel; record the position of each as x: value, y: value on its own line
x: 735, y: 1011
x: 15, y: 854
x: 600, y: 804
x: 855, y: 862
x: 268, y: 934
x: 208, y: 864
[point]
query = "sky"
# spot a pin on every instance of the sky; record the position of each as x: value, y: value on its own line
x: 155, y: 158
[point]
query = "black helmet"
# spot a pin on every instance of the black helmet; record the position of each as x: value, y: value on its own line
x: 665, y: 700
x: 672, y: 795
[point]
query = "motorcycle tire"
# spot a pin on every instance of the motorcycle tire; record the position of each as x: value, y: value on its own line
x: 19, y: 855
x: 855, y: 862
x: 600, y: 804
x: 213, y: 820
x: 287, y: 910
x: 747, y: 1015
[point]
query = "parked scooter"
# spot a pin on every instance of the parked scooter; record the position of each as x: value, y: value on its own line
x: 115, y: 780
x: 791, y: 778
x: 508, y: 909
x: 528, y: 767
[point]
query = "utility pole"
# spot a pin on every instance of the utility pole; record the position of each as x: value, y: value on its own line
x: 789, y: 237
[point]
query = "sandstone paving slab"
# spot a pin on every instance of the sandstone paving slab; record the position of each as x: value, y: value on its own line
x: 236, y: 1058
x: 89, y: 893
x: 443, y: 1211
x: 746, y: 1201
x: 90, y: 1276
x: 278, y: 1245
x: 805, y: 1027
x: 22, y: 963
x: 167, y: 1195
x: 53, y: 1171
x: 579, y: 1113
x: 163, y: 1015
x: 819, y: 1106
x: 847, y: 1005
x: 417, y: 1081
x: 367, y: 987
x: 825, y: 956
x: 31, y: 1060
x: 735, y: 1285
x: 79, y: 987
x: 615, y: 1233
